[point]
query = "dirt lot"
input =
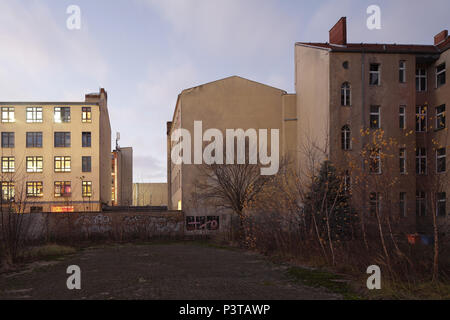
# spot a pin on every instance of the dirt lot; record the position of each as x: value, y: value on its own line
x: 159, y: 271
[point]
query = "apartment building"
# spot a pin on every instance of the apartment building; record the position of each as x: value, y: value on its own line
x: 344, y: 89
x: 55, y: 156
x: 122, y: 176
x: 230, y: 103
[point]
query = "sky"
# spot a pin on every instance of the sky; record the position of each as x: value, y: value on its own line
x: 145, y: 52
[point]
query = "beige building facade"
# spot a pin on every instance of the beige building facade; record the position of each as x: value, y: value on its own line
x: 230, y: 103
x: 55, y: 156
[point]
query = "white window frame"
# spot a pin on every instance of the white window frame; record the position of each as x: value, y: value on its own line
x: 402, y: 116
x: 8, y: 114
x: 347, y: 93
x: 423, y: 112
x: 438, y: 201
x: 378, y: 114
x: 346, y: 140
x: 421, y: 198
x: 36, y: 115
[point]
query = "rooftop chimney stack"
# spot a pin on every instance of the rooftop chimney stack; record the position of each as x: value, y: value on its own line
x: 440, y: 37
x: 338, y: 34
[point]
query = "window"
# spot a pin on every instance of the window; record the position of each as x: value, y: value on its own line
x: 34, y: 114
x: 8, y: 192
x: 374, y: 203
x: 86, y: 116
x: 62, y: 114
x: 421, y: 118
x: 34, y: 139
x: 402, y: 117
x: 421, y: 79
x: 86, y: 164
x: 402, y: 71
x: 34, y: 189
x: 402, y: 157
x: 440, y: 75
x: 8, y: 164
x: 375, y: 162
x: 440, y: 117
x: 35, y: 164
x: 62, y: 164
x: 62, y: 139
x: 346, y: 138
x: 7, y: 139
x: 374, y: 74
x: 441, y: 204
x: 421, y: 161
x: 8, y: 114
x: 86, y: 139
x: 402, y: 204
x: 421, y: 207
x: 441, y: 160
x: 345, y: 94
x: 87, y: 189
x: 63, y: 189
x: 375, y: 117
x: 347, y: 181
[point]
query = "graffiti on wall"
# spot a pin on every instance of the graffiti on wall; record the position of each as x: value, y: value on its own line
x: 194, y: 223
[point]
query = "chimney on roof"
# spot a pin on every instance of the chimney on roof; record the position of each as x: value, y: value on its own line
x: 338, y: 34
x: 440, y: 37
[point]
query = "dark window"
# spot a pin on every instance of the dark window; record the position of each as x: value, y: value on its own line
x: 402, y: 72
x: 421, y: 161
x: 440, y: 75
x: 87, y: 189
x: 34, y: 189
x: 441, y: 159
x: 86, y: 139
x: 421, y: 206
x: 421, y: 118
x: 86, y: 164
x: 375, y: 117
x: 441, y: 199
x: 62, y: 139
x: 402, y: 157
x: 345, y: 138
x: 63, y: 189
x: 440, y: 117
x: 375, y: 162
x: 86, y: 116
x: 34, y: 114
x: 34, y: 139
x: 7, y: 139
x: 35, y: 164
x: 402, y: 117
x: 62, y: 114
x: 374, y: 74
x: 62, y: 164
x: 374, y: 203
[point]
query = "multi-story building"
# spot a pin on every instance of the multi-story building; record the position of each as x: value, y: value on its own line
x: 150, y: 194
x: 55, y: 156
x: 347, y: 88
x: 122, y: 176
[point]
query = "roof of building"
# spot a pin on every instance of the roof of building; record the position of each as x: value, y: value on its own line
x: 37, y: 103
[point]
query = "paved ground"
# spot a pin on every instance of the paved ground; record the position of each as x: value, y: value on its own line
x: 169, y: 271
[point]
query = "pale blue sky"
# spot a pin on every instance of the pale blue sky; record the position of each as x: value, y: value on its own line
x: 144, y: 52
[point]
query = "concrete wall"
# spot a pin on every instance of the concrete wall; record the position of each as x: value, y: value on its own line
x: 149, y: 194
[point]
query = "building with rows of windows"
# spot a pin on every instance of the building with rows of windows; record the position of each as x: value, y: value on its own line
x: 348, y: 91
x: 55, y: 157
